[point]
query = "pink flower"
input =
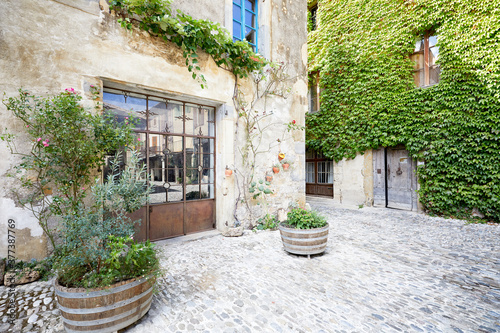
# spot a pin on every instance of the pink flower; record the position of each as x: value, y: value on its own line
x: 126, y: 118
x: 83, y: 188
x: 39, y: 139
x: 45, y: 144
x: 27, y: 126
x: 132, y: 237
x: 92, y: 86
x: 138, y: 139
x: 293, y: 122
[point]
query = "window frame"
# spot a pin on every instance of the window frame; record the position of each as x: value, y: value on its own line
x: 426, y: 60
x: 314, y: 87
x: 243, y: 23
x: 313, y: 10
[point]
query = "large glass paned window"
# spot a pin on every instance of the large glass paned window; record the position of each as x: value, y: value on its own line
x: 425, y: 69
x: 245, y: 26
x: 175, y: 140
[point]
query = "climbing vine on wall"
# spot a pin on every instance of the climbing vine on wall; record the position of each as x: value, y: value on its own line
x: 361, y: 49
x: 156, y: 18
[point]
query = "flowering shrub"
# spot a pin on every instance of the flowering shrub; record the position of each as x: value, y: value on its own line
x: 68, y: 143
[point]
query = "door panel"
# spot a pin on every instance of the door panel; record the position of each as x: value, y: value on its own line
x: 396, y: 167
x: 379, y: 178
x: 326, y: 190
x: 140, y: 229
x: 399, y: 179
x: 199, y: 215
x: 166, y: 220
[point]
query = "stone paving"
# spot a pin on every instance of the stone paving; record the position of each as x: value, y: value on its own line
x: 384, y: 271
x: 34, y: 310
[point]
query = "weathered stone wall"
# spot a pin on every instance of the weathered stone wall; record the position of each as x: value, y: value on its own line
x: 49, y: 45
x: 353, y: 181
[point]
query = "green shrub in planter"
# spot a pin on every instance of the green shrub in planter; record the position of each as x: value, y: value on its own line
x: 97, y: 247
x: 303, y: 219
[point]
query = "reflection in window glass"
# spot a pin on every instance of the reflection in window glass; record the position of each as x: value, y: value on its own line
x: 426, y: 70
x: 207, y: 191
x: 245, y: 26
x: 207, y: 176
x: 121, y: 107
x: 192, y: 176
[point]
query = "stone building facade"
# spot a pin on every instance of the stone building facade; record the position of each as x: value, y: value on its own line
x: 49, y: 45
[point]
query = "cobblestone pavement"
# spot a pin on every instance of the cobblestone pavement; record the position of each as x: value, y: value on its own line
x: 384, y: 271
x: 34, y: 310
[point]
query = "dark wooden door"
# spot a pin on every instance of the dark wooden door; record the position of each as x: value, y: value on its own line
x: 394, y: 181
x: 319, y: 174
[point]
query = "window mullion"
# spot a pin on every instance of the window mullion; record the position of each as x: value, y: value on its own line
x: 426, y: 60
x: 242, y: 20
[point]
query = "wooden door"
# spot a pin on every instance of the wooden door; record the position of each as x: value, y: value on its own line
x: 379, y: 176
x: 394, y: 179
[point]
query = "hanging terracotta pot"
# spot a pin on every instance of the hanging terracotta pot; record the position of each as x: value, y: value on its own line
x: 281, y: 156
x: 229, y: 172
x: 285, y: 166
x: 269, y: 178
x: 276, y: 169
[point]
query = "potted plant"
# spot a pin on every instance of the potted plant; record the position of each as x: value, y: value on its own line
x: 281, y: 156
x: 269, y: 177
x: 285, y: 164
x: 104, y: 279
x: 304, y: 232
x: 99, y: 266
x: 276, y: 168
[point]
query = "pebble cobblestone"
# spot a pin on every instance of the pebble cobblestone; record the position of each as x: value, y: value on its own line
x: 384, y: 271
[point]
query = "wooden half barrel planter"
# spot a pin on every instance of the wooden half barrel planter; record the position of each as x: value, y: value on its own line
x: 104, y: 309
x: 304, y: 241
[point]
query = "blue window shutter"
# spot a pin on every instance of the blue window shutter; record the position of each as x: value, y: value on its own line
x: 245, y: 22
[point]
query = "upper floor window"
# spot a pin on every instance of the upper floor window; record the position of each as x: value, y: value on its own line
x: 245, y: 25
x: 313, y: 11
x: 426, y: 70
x: 314, y: 92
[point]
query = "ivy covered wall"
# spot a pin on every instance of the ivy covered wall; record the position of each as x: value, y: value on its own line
x: 361, y: 50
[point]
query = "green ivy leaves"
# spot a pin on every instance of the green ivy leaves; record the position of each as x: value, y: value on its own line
x: 155, y: 17
x: 361, y: 50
